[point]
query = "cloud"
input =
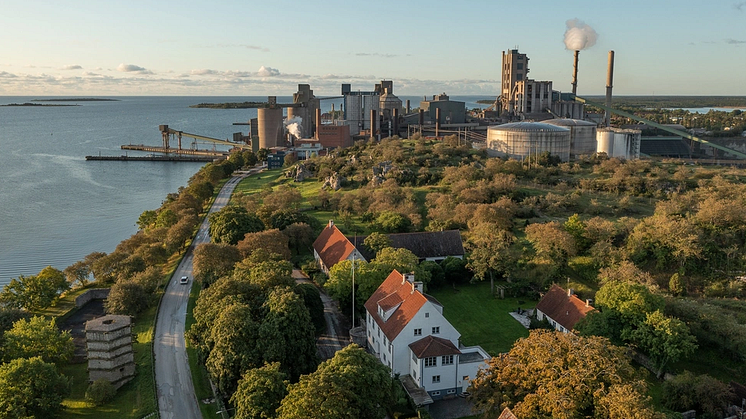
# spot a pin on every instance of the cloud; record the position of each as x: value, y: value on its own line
x: 732, y: 41
x: 267, y: 72
x: 376, y: 54
x: 740, y: 6
x: 6, y: 75
x: 131, y: 68
x: 202, y: 72
x: 71, y: 67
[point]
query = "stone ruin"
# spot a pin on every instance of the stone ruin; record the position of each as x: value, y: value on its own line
x: 109, y: 347
x: 299, y: 172
x: 333, y: 182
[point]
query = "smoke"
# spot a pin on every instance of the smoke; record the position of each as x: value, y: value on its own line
x: 579, y: 35
x: 293, y: 126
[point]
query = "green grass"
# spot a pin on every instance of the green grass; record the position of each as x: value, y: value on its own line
x: 256, y: 183
x: 133, y: 400
x: 480, y: 318
x: 65, y: 305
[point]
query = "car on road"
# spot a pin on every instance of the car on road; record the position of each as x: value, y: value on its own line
x: 184, y: 280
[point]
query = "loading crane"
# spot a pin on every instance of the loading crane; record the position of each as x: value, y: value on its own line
x: 659, y: 126
x: 167, y: 132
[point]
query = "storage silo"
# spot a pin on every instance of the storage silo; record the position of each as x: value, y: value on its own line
x: 627, y: 143
x: 524, y: 139
x: 605, y: 140
x: 269, y: 121
x: 582, y: 135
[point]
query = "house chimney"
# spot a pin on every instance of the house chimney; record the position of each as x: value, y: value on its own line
x: 587, y: 302
x: 409, y: 277
x: 417, y: 285
x: 331, y: 224
x: 569, y: 292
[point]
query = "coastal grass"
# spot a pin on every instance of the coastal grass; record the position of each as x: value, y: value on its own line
x: 481, y: 318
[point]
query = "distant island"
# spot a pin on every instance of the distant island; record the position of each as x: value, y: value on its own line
x: 231, y: 105
x: 34, y: 104
x: 485, y: 101
x: 77, y: 99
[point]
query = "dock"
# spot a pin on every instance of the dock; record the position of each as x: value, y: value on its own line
x: 198, y: 159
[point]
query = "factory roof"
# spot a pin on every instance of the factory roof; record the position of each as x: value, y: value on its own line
x: 568, y: 122
x: 529, y: 127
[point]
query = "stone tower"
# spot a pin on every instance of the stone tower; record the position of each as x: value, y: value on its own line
x: 109, y: 347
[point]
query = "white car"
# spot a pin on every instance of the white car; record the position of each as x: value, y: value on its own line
x: 184, y: 280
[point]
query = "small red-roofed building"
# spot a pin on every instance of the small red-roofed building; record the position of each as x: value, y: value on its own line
x: 332, y: 247
x: 563, y: 309
x: 406, y: 331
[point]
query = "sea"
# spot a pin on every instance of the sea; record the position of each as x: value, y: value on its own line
x: 56, y: 207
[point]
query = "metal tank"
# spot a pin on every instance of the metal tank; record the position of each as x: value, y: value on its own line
x: 269, y: 121
x: 524, y: 139
x: 605, y: 140
x: 582, y: 135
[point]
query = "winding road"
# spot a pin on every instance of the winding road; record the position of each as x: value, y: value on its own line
x: 176, y: 397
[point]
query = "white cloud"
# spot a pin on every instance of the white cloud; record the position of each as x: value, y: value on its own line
x: 203, y: 72
x: 267, y: 72
x: 71, y: 67
x: 131, y: 68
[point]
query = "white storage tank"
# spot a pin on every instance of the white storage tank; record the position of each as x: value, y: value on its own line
x: 620, y: 143
x: 523, y: 139
x: 582, y: 135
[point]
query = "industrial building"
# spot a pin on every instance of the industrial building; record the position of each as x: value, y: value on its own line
x: 619, y: 142
x: 373, y: 112
x: 451, y: 111
x: 524, y: 140
x: 520, y: 95
x: 582, y: 135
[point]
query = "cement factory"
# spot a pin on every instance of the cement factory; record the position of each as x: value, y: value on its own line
x: 527, y: 119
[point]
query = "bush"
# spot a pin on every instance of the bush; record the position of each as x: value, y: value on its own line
x: 100, y: 392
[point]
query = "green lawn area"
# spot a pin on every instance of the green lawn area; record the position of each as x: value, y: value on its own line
x: 480, y: 318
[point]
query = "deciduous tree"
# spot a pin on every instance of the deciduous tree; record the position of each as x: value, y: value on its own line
x: 260, y: 392
x: 212, y: 261
x: 230, y: 224
x: 664, y: 339
x: 35, y: 292
x: 31, y: 388
x: 38, y: 337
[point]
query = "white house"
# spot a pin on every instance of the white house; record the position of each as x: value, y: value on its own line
x: 562, y: 309
x: 406, y: 331
x: 332, y: 247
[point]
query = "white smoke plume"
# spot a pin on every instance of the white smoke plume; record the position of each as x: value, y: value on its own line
x: 579, y: 36
x: 293, y: 126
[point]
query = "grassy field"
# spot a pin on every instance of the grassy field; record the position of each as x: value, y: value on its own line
x: 482, y: 319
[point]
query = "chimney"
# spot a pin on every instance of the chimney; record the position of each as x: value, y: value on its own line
x: 372, y: 122
x: 409, y: 277
x: 437, y: 122
x: 408, y: 108
x: 587, y: 302
x: 569, y: 292
x: 318, y: 122
x: 417, y: 285
x: 609, y: 83
x: 575, y: 73
x: 331, y: 224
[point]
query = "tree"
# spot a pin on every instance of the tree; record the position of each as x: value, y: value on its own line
x: 273, y: 241
x: 78, y: 274
x: 377, y: 241
x: 100, y: 392
x: 562, y: 375
x: 212, y: 261
x: 353, y: 384
x: 147, y: 219
x: 703, y: 393
x: 35, y: 292
x: 625, y: 271
x: 31, y: 388
x: 664, y: 339
x: 633, y: 301
x: 287, y: 334
x: 490, y: 253
x: 551, y: 242
x: 260, y: 392
x: 300, y: 235
x: 392, y: 222
x: 126, y: 297
x: 38, y: 337
x: 230, y: 224
x: 312, y: 299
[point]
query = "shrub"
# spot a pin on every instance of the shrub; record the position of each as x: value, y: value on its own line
x: 100, y: 392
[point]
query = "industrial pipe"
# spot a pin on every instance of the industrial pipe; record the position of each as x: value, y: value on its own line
x: 372, y: 122
x: 318, y: 122
x: 437, y: 122
x: 575, y: 73
x: 609, y: 85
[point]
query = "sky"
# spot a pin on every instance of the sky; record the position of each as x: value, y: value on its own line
x: 256, y: 48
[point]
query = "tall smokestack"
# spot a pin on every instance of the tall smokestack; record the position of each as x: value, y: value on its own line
x: 575, y: 73
x: 407, y: 107
x: 318, y: 122
x: 372, y: 122
x: 609, y: 85
x: 437, y: 122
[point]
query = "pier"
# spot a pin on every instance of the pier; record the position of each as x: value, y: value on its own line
x: 193, y: 159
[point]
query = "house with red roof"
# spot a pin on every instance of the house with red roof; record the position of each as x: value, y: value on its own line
x: 406, y: 331
x: 563, y: 309
x: 332, y: 247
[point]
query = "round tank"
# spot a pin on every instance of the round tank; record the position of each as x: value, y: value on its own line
x: 269, y: 126
x: 524, y: 139
x: 627, y: 143
x: 582, y: 135
x: 605, y: 140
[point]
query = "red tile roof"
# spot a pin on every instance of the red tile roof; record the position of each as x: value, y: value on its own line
x: 507, y: 414
x: 332, y: 246
x: 394, y: 288
x: 433, y: 346
x: 566, y: 311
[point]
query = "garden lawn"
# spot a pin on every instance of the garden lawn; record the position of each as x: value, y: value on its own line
x: 480, y: 318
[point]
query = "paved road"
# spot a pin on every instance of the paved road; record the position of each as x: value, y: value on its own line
x: 337, y: 334
x: 176, y: 398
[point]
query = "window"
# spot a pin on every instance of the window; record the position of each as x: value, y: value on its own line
x: 384, y: 357
x: 418, y: 332
x: 379, y: 333
x: 414, y: 358
x: 465, y: 378
x: 447, y: 360
x: 519, y: 76
x: 436, y: 330
x: 520, y: 66
x: 431, y: 362
x: 435, y: 393
x: 451, y: 391
x: 436, y: 378
x: 427, y: 315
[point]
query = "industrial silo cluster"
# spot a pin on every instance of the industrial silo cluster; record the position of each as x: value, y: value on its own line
x: 617, y: 142
x: 522, y: 140
x: 582, y: 135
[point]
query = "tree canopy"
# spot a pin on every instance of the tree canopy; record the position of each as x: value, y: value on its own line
x: 38, y: 337
x: 35, y: 292
x: 31, y: 388
x: 230, y: 224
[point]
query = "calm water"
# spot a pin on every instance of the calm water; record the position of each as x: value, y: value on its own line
x: 55, y: 207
